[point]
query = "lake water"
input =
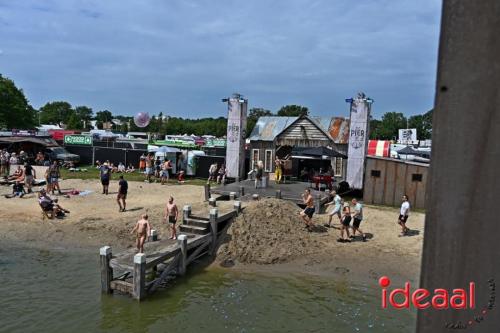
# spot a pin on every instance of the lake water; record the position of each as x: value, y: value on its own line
x: 58, y: 291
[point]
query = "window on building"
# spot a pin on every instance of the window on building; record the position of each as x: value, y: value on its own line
x: 416, y: 177
x: 268, y: 161
x: 375, y: 173
x: 338, y: 167
x: 255, y: 157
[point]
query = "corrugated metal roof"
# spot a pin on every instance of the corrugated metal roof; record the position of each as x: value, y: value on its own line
x: 267, y: 128
x: 339, y: 130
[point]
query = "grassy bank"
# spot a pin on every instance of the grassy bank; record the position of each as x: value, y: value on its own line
x: 93, y: 173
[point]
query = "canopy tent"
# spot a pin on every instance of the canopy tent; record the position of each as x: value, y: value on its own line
x: 317, y: 151
x: 409, y: 150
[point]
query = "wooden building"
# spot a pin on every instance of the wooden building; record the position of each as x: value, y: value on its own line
x: 387, y: 179
x: 278, y: 136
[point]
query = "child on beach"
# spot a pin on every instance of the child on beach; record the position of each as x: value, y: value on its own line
x: 142, y: 229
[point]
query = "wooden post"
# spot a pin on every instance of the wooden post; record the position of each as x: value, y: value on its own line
x: 106, y: 270
x: 232, y: 195
x: 153, y: 237
x: 317, y: 203
x: 242, y: 191
x: 237, y: 207
x: 207, y: 192
x: 182, y: 241
x: 255, y: 197
x: 214, y: 213
x: 186, y: 212
x: 139, y: 279
x: 212, y: 202
x: 278, y: 194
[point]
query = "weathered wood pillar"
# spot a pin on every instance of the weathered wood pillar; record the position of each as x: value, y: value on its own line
x: 214, y: 213
x: 237, y: 207
x: 242, y: 191
x: 207, y: 191
x: 255, y: 196
x: 182, y: 241
x: 278, y: 194
x: 232, y: 195
x: 139, y: 278
x: 186, y: 213
x: 212, y: 202
x: 106, y: 270
x: 317, y: 203
x: 153, y: 237
x: 461, y: 243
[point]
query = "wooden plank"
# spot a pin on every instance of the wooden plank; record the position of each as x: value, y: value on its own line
x: 166, y: 272
x: 164, y: 257
x: 122, y: 286
x: 196, y: 252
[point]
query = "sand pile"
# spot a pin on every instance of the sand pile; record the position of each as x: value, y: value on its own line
x: 267, y: 232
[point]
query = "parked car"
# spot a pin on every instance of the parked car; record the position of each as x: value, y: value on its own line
x: 61, y: 154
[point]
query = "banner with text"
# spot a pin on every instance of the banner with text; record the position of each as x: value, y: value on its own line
x: 236, y: 133
x: 358, y: 137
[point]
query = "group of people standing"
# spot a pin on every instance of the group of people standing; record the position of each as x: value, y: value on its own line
x: 217, y: 174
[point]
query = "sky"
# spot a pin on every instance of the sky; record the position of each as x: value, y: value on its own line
x: 180, y: 57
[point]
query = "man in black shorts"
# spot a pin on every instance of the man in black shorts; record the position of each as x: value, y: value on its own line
x: 171, y: 216
x: 122, y: 194
x: 308, y: 212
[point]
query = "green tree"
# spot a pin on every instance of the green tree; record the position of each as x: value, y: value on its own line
x: 253, y: 115
x: 74, y: 122
x: 103, y: 116
x: 56, y: 112
x: 390, y: 124
x: 293, y: 111
x: 375, y: 126
x: 84, y: 114
x: 15, y: 111
x: 423, y: 124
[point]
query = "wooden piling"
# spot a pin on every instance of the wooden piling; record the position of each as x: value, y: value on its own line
x: 212, y: 202
x: 139, y: 278
x: 207, y: 192
x: 278, y: 194
x: 317, y: 203
x: 255, y: 197
x: 153, y: 237
x: 237, y: 207
x: 242, y: 191
x: 182, y: 241
x: 186, y: 212
x: 214, y: 213
x: 106, y: 270
x: 232, y: 195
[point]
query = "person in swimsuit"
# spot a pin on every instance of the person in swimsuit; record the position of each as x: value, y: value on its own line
x: 142, y: 229
x: 171, y: 216
x: 345, y: 220
x: 308, y: 212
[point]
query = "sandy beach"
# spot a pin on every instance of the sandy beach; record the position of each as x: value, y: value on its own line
x: 94, y: 221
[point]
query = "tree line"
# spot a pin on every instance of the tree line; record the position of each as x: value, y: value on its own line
x: 16, y: 112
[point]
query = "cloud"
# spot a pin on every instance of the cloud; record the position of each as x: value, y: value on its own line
x: 181, y: 57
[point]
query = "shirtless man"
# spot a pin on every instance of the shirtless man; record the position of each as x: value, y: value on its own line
x: 308, y: 212
x: 142, y: 229
x: 171, y: 216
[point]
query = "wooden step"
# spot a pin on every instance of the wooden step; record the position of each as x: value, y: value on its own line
x: 122, y: 286
x: 196, y: 223
x: 194, y: 229
x: 202, y: 218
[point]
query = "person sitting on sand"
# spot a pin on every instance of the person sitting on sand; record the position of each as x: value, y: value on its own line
x: 17, y: 191
x: 130, y: 168
x: 345, y: 220
x: 98, y: 164
x: 337, y: 200
x: 171, y: 216
x: 121, y: 167
x: 49, y: 205
x: 180, y: 177
x: 308, y: 212
x: 357, y: 218
x: 18, y: 175
x: 142, y: 229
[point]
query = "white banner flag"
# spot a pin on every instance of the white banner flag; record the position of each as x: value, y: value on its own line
x: 236, y: 133
x: 358, y: 138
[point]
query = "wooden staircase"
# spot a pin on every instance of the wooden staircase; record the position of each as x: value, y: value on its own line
x: 195, y: 225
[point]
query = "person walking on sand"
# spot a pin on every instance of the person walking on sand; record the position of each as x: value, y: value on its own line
x: 403, y: 215
x: 337, y: 206
x: 171, y: 216
x: 165, y: 172
x: 149, y: 168
x: 122, y: 194
x: 212, y: 173
x: 55, y: 174
x: 357, y: 218
x: 105, y: 175
x: 29, y: 176
x: 308, y: 212
x: 345, y: 220
x: 142, y: 229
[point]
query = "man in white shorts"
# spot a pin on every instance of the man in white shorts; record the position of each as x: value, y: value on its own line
x: 337, y: 207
